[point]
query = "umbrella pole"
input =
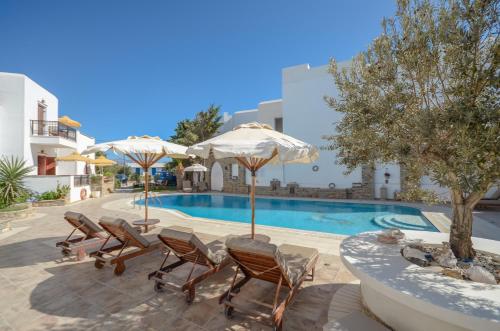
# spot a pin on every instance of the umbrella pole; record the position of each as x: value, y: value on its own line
x: 146, y: 187
x: 252, y: 203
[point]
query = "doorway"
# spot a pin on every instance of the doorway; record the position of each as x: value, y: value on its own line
x: 216, y: 177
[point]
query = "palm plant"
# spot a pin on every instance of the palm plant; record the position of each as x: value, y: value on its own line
x: 12, y: 173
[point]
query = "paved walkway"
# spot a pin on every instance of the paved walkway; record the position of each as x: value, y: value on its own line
x: 41, y: 291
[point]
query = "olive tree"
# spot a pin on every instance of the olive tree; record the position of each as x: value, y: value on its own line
x: 425, y: 94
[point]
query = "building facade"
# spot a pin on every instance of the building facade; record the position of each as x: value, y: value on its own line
x: 30, y: 128
x: 303, y: 113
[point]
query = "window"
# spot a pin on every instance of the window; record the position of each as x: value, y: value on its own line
x: 278, y: 124
x: 234, y: 170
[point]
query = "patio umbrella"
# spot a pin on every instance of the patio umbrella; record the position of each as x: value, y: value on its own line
x: 253, y: 145
x: 75, y: 156
x: 198, y: 168
x: 102, y: 161
x: 145, y: 151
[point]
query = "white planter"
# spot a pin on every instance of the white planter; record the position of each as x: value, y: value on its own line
x: 411, y: 298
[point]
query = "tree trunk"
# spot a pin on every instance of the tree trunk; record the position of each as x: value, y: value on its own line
x: 461, y: 227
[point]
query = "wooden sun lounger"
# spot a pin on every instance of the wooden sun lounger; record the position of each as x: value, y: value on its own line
x: 187, y: 247
x: 128, y: 237
x: 286, y: 266
x: 92, y: 239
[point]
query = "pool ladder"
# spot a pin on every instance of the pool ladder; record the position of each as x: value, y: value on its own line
x: 152, y: 197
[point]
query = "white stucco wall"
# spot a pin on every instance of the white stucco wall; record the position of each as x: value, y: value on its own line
x: 307, y: 117
x: 12, y: 115
x: 19, y: 98
x: 394, y: 181
x: 239, y: 117
x: 33, y: 94
x: 268, y: 111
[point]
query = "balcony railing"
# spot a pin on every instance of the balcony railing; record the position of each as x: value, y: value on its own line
x: 52, y: 129
x: 81, y: 180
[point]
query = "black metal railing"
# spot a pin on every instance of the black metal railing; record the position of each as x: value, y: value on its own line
x: 81, y: 180
x: 52, y: 129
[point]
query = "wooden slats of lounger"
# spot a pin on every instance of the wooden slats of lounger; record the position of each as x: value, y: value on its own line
x: 93, y: 237
x: 187, y: 247
x: 286, y: 266
x: 129, y: 237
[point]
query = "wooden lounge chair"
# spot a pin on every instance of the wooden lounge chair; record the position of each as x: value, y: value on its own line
x: 129, y: 237
x: 286, y: 266
x: 187, y: 247
x: 92, y: 239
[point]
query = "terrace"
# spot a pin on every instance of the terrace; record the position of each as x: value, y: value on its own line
x: 50, y: 292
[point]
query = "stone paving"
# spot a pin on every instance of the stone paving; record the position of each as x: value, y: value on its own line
x: 40, y: 290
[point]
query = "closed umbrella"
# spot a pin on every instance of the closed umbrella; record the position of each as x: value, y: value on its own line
x: 145, y: 151
x: 254, y: 145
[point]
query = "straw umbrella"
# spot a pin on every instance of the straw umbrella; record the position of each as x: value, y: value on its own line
x: 102, y: 161
x: 145, y: 151
x: 254, y: 145
x: 75, y: 157
x: 69, y: 122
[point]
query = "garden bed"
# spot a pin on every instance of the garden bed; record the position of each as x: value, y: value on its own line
x: 416, y: 298
x: 14, y: 212
x: 49, y: 203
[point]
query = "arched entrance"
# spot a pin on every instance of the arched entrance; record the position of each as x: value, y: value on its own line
x: 216, y: 177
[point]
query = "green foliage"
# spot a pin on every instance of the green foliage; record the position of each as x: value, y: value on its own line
x: 99, y: 153
x: 95, y: 179
x: 426, y: 94
x: 61, y: 192
x: 192, y: 131
x: 202, y: 127
x: 12, y: 173
x: 135, y: 177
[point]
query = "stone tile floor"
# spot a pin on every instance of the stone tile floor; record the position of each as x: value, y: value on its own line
x: 40, y: 290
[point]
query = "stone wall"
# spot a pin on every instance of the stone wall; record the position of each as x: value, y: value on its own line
x: 364, y: 190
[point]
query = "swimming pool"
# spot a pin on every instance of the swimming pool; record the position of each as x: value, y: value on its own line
x: 312, y: 215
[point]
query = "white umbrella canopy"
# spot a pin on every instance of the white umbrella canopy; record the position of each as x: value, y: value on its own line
x: 145, y: 151
x: 141, y: 145
x: 256, y: 140
x: 254, y: 145
x: 196, y: 168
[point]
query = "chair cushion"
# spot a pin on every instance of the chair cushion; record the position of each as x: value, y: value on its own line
x: 78, y: 218
x: 119, y: 227
x: 293, y: 260
x: 214, y: 251
x: 298, y: 260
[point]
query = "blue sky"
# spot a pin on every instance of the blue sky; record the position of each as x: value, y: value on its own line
x: 137, y: 67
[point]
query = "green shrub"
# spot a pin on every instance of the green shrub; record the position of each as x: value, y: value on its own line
x: 59, y: 193
x: 12, y: 173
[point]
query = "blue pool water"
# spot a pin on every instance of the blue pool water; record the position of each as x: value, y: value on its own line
x: 311, y: 215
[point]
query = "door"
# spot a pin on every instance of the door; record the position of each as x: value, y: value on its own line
x: 42, y: 165
x: 216, y: 177
x: 50, y: 166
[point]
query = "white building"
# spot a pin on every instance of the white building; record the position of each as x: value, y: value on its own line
x: 30, y: 129
x: 304, y: 114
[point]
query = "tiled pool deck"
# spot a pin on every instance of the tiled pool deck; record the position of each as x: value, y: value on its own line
x: 39, y: 291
